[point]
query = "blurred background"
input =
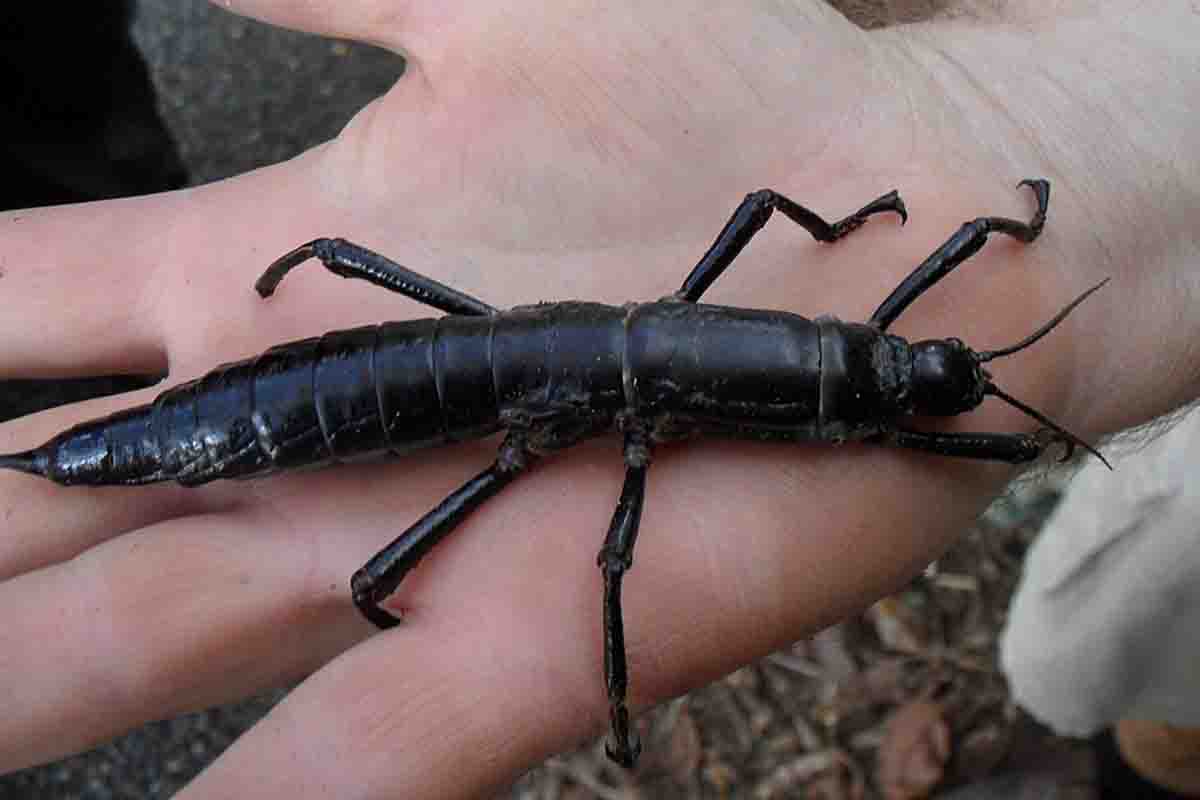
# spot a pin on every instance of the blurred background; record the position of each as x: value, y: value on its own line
x: 177, y: 92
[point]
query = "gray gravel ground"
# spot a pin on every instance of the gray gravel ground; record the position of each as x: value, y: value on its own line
x: 237, y: 95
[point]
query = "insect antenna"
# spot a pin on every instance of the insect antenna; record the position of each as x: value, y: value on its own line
x: 1071, y: 439
x: 988, y: 355
x: 990, y: 388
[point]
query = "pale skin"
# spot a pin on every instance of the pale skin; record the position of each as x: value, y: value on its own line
x: 589, y: 151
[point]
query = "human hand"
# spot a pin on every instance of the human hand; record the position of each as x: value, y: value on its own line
x: 549, y: 154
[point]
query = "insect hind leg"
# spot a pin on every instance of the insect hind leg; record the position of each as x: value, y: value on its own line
x: 614, y: 559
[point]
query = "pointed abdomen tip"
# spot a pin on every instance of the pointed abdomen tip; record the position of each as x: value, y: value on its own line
x: 30, y: 461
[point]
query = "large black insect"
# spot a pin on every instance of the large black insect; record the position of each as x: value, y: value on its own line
x: 552, y: 374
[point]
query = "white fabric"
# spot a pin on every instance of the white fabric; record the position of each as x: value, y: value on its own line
x: 1106, y: 622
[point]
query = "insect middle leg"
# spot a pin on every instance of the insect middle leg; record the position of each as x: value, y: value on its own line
x: 353, y: 261
x: 750, y: 217
x: 615, y: 557
x: 965, y: 242
x: 380, y: 576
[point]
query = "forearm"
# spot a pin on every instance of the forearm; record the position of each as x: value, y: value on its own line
x: 1102, y: 101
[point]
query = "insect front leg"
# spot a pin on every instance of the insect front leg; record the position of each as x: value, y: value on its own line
x: 615, y: 557
x: 353, y: 261
x: 750, y: 217
x: 965, y: 243
x: 380, y: 576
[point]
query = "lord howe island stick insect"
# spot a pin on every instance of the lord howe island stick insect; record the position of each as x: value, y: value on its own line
x: 553, y: 374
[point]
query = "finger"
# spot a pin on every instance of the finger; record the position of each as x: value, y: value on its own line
x: 188, y: 299
x: 202, y: 610
x: 205, y: 312
x: 141, y: 285
x: 501, y: 656
x: 199, y: 610
x: 385, y: 23
x: 165, y: 282
x: 177, y: 617
x: 45, y: 523
x: 196, y: 611
x: 75, y: 285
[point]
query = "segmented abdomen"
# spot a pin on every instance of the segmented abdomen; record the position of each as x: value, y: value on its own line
x: 342, y: 396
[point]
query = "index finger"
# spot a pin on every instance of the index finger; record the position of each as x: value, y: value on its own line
x: 79, y: 304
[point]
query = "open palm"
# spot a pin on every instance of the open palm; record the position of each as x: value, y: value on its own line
x: 577, y: 151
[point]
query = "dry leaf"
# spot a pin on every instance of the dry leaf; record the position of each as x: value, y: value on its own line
x: 789, y: 776
x: 720, y: 777
x: 829, y: 648
x: 981, y: 751
x: 882, y: 683
x: 835, y: 785
x: 683, y: 749
x: 898, y: 625
x: 915, y: 749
